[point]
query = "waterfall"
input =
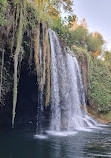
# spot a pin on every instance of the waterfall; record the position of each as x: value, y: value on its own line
x: 68, y: 107
x: 40, y: 94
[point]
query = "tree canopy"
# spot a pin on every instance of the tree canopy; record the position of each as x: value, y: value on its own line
x: 54, y: 7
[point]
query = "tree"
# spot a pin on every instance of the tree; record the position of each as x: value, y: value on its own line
x: 54, y: 7
x: 73, y: 23
x: 94, y: 44
x: 84, y: 23
x: 107, y: 56
x: 99, y: 36
x: 80, y: 34
x: 63, y: 4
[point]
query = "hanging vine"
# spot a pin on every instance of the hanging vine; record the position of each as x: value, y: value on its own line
x: 16, y: 55
x: 36, y: 48
x: 44, y: 27
x: 46, y: 62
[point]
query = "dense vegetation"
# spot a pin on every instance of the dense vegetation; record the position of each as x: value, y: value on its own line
x: 20, y: 23
x: 99, y: 79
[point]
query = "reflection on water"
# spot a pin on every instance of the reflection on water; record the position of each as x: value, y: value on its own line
x: 81, y: 145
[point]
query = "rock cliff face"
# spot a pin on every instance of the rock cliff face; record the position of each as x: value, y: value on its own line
x: 6, y: 111
x: 6, y: 79
x: 29, y: 81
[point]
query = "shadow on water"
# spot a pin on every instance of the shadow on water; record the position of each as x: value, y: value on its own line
x: 81, y: 145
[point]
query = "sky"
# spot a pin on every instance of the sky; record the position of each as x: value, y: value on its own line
x: 98, y: 16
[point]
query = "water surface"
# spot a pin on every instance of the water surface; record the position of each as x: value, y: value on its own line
x: 82, y: 144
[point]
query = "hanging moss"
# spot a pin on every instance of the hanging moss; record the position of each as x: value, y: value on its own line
x: 17, y: 52
x: 36, y: 48
x: 44, y: 78
x: 48, y: 77
x: 46, y: 63
x: 45, y: 47
x: 31, y: 52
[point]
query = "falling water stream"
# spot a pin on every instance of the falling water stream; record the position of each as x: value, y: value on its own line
x: 68, y: 105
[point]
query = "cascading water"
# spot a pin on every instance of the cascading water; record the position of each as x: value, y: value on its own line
x: 40, y: 98
x: 68, y: 108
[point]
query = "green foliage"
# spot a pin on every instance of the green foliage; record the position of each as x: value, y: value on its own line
x: 106, y: 117
x: 70, y: 19
x: 100, y: 37
x: 107, y: 56
x: 35, y: 15
x: 79, y: 51
x: 99, y: 80
x: 76, y: 37
x: 63, y: 4
x: 80, y: 35
x: 66, y: 36
x: 99, y: 84
x: 4, y: 9
x: 94, y: 43
x: 73, y: 34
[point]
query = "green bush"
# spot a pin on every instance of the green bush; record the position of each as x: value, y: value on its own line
x: 100, y: 84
